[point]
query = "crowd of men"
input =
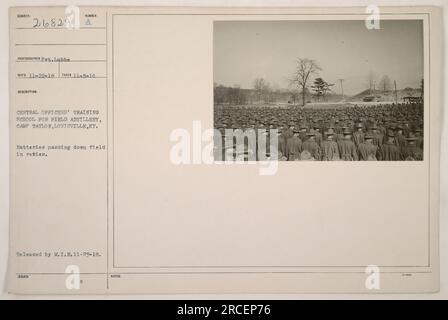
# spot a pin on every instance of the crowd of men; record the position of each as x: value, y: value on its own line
x: 392, y: 132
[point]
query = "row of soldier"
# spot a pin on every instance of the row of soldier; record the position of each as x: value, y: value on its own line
x: 305, y: 144
x: 384, y: 133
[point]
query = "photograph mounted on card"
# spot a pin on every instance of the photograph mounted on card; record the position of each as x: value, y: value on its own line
x: 224, y: 150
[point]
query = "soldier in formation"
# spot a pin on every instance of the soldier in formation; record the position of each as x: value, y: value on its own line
x: 353, y: 133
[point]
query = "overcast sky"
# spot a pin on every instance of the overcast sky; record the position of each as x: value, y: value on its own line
x: 245, y: 50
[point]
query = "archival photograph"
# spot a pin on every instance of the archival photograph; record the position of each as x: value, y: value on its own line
x: 328, y: 90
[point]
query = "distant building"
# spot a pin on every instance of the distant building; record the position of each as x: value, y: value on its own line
x: 410, y: 99
x: 368, y: 98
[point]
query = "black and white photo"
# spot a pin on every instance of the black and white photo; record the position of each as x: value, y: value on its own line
x: 329, y: 90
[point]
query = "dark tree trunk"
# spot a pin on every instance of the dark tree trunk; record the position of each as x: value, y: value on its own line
x: 303, y: 95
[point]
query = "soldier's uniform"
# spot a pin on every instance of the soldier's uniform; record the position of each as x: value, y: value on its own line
x: 294, y: 147
x: 288, y: 134
x: 340, y: 135
x: 218, y: 148
x: 367, y: 150
x: 330, y: 150
x: 302, y: 134
x: 281, y: 144
x: 358, y: 136
x: 317, y: 135
x: 311, y: 146
x: 411, y: 152
x: 390, y: 150
x: 382, y: 129
x: 419, y: 142
x: 347, y: 148
x: 378, y: 137
x: 400, y: 139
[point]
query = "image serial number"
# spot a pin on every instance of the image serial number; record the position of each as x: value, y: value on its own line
x: 245, y: 309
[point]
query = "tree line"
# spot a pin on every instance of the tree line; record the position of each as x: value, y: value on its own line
x: 262, y: 92
x: 304, y: 84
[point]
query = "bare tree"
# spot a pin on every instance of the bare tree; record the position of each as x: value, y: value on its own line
x: 293, y: 95
x: 305, y: 68
x: 262, y: 89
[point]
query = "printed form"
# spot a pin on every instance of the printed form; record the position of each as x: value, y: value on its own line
x: 112, y: 111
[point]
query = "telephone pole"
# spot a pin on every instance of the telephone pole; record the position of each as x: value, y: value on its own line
x: 422, y: 86
x: 395, y: 86
x: 342, y: 88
